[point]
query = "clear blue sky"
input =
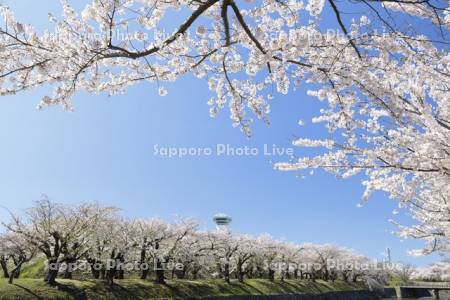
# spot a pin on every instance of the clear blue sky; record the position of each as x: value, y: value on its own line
x: 104, y: 152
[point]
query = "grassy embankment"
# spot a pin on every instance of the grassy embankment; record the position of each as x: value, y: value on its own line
x: 31, y: 286
x: 139, y: 289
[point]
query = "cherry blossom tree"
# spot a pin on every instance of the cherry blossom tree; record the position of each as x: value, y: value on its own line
x: 405, y: 272
x: 194, y: 255
x: 244, y: 252
x: 439, y: 271
x: 224, y: 247
x: 60, y: 232
x: 269, y: 251
x: 88, y: 234
x: 159, y: 243
x: 110, y: 245
x: 13, y: 248
x: 385, y: 85
x: 150, y: 233
x: 4, y: 257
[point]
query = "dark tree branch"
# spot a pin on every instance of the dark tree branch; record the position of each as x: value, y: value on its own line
x: 341, y: 24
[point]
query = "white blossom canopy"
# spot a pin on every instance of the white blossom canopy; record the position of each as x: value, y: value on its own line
x: 386, y: 85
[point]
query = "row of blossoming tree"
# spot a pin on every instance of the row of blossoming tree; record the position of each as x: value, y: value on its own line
x: 439, y: 271
x: 383, y: 77
x: 94, y: 241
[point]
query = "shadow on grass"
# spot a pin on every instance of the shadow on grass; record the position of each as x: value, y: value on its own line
x: 261, y: 292
x: 291, y: 288
x: 241, y: 287
x: 187, y: 290
x: 135, y: 289
x: 124, y: 293
x: 29, y: 291
x: 72, y: 290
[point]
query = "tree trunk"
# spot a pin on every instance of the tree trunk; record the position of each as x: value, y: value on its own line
x: 271, y: 275
x: 226, y: 273
x: 111, y: 267
x: 4, y: 266
x: 145, y: 271
x: 110, y: 278
x: 144, y: 274
x: 160, y: 279
x: 121, y: 271
x: 195, y: 273
x: 11, y: 278
x: 51, y: 277
x: 250, y: 272
x: 103, y: 273
x: 345, y: 276
x: 285, y: 274
x: 181, y: 274
x: 312, y: 275
x: 52, y: 272
x: 326, y: 275
x: 70, y: 264
x: 259, y: 272
x: 94, y: 264
x: 240, y: 273
x: 109, y: 275
x: 95, y: 273
x: 68, y: 274
x: 68, y: 271
x: 15, y: 273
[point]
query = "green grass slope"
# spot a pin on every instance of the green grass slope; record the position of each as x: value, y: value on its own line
x: 24, y: 289
x: 33, y: 269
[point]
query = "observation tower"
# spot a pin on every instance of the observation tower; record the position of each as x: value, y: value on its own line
x: 222, y: 222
